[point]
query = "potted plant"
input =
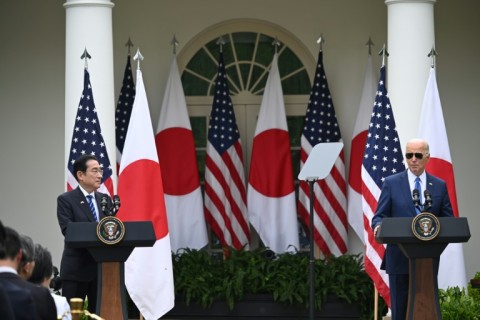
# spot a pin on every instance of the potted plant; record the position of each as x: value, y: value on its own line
x: 475, y: 281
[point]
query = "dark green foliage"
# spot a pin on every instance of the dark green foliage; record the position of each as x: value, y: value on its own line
x: 457, y: 305
x: 202, y: 279
x: 475, y: 292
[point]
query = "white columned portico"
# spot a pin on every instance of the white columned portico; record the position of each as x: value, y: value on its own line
x: 89, y: 25
x: 411, y: 36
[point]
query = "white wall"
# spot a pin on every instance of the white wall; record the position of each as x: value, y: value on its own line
x: 32, y: 66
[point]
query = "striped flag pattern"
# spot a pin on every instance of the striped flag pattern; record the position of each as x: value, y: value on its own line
x: 382, y: 157
x: 330, y: 203
x: 225, y: 192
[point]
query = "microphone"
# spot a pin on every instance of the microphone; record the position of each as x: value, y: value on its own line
x: 428, y: 199
x: 103, y: 204
x: 116, y: 203
x: 416, y: 198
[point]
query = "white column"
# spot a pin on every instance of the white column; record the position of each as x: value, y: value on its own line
x: 411, y: 36
x: 89, y: 25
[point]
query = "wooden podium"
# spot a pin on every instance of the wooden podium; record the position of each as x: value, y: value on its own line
x: 111, y: 299
x: 423, y: 259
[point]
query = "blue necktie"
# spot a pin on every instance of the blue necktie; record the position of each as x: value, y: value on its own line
x: 419, y: 188
x: 92, y: 207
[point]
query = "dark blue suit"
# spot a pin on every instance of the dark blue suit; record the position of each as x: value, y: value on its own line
x: 16, y: 302
x: 78, y: 268
x: 28, y: 300
x: 396, y: 201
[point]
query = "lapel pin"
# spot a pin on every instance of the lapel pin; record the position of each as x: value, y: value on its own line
x: 82, y: 202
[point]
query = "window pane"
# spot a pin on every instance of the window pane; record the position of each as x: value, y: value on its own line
x: 295, y: 162
x: 258, y: 72
x: 288, y: 62
x: 295, y: 126
x: 203, y: 64
x: 201, y: 156
x: 244, y: 45
x: 193, y: 85
x: 298, y: 83
x: 233, y: 77
x: 199, y: 130
x: 265, y: 50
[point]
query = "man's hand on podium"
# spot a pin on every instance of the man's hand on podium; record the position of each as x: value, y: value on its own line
x: 375, y: 231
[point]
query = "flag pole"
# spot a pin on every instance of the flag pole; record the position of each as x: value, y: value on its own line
x: 433, y: 55
x: 375, y: 303
x: 129, y: 45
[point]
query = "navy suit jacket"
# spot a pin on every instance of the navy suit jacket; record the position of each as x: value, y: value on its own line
x: 396, y: 201
x: 77, y: 264
x: 16, y: 303
x: 28, y: 300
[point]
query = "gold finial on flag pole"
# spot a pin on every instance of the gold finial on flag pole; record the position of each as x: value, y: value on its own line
x: 276, y: 43
x: 85, y: 56
x: 129, y: 44
x: 174, y: 44
x: 138, y: 57
x: 370, y: 44
x: 383, y: 53
x: 433, y: 54
x: 220, y: 42
x: 321, y: 41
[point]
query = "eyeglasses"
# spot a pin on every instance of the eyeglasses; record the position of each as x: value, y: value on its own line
x: 417, y: 155
x: 97, y: 171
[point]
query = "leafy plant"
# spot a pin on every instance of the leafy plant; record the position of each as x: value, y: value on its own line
x: 475, y: 292
x: 203, y: 279
x: 455, y: 304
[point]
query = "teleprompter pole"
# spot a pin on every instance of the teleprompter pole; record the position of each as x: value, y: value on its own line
x: 311, y: 182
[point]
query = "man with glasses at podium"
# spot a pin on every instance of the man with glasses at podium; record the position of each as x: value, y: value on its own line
x: 402, y: 195
x: 78, y: 269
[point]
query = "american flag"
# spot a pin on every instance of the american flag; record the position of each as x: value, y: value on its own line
x: 383, y: 157
x: 330, y: 204
x: 87, y: 139
x: 225, y: 196
x: 124, y: 109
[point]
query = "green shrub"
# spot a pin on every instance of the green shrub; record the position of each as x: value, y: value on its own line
x: 474, y: 292
x: 455, y: 304
x: 202, y: 278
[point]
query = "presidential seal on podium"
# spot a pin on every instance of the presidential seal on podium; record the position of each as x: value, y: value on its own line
x: 425, y: 226
x: 110, y: 230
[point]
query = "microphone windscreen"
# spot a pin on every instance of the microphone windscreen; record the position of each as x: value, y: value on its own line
x: 427, y: 194
x: 416, y: 193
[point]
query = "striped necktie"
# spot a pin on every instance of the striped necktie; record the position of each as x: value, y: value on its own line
x: 92, y: 207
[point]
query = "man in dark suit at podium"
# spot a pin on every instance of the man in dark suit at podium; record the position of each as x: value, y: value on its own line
x: 396, y: 200
x: 78, y: 269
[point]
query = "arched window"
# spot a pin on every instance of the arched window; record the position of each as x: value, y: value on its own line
x: 248, y: 56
